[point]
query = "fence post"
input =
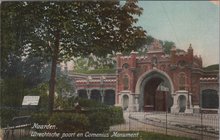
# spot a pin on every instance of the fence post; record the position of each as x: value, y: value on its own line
x: 201, y: 125
x: 145, y: 124
x: 129, y: 121
x: 166, y: 110
x: 166, y: 122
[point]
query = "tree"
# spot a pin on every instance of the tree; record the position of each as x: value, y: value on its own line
x: 34, y: 69
x: 93, y: 64
x: 145, y: 42
x: 13, y: 34
x: 142, y: 44
x: 211, y: 67
x: 167, y: 46
x: 59, y: 30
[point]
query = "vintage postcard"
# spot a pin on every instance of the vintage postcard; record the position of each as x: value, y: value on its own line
x: 113, y: 69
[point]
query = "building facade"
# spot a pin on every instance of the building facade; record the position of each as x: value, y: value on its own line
x: 98, y: 87
x: 155, y: 82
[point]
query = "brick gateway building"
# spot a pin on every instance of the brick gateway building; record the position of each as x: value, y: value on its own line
x: 154, y: 82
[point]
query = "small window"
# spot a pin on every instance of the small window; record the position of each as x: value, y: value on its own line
x: 210, y: 99
x: 125, y: 66
x: 182, y: 64
x: 182, y: 81
x: 126, y: 82
x: 154, y: 61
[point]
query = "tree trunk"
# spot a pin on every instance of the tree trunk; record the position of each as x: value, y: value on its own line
x: 52, y: 81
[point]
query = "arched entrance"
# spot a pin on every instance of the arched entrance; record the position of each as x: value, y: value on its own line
x: 182, y: 103
x: 109, y: 97
x: 95, y: 95
x: 150, y: 98
x: 210, y: 99
x: 125, y: 102
x: 82, y: 93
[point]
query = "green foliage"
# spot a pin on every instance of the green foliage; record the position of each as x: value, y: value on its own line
x: 80, y: 65
x: 64, y: 84
x: 12, y: 92
x: 117, y: 115
x: 57, y: 31
x: 12, y: 67
x: 91, y: 104
x: 149, y: 40
x: 93, y: 64
x: 142, y: 44
x: 64, y: 89
x: 96, y: 71
x: 69, y: 122
x: 99, y: 121
x: 211, y: 67
x: 102, y: 119
x: 40, y: 118
x: 97, y: 117
x: 84, y: 26
x: 6, y: 116
x: 167, y: 46
x: 35, y: 71
x: 101, y: 116
x: 41, y: 90
x: 65, y: 103
x: 13, y: 34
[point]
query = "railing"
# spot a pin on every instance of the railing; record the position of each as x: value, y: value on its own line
x: 16, y: 132
x: 199, y: 126
x: 18, y: 128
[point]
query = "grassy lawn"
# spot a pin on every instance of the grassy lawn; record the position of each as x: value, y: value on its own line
x: 142, y: 136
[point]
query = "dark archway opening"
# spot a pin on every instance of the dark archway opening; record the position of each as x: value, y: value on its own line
x: 82, y: 94
x: 109, y: 97
x: 154, y: 99
x: 95, y: 95
x: 182, y: 103
x: 125, y: 102
x: 210, y: 99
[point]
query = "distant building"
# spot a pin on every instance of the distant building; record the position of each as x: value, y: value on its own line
x: 99, y: 87
x: 154, y: 82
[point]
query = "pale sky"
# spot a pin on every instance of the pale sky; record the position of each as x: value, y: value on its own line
x: 184, y: 22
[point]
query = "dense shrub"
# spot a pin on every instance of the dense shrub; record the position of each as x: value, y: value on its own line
x: 211, y: 67
x: 91, y: 104
x: 7, y: 115
x: 40, y: 118
x: 96, y: 117
x: 40, y: 90
x: 101, y: 116
x: 101, y: 120
x: 116, y: 115
x: 72, y: 122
